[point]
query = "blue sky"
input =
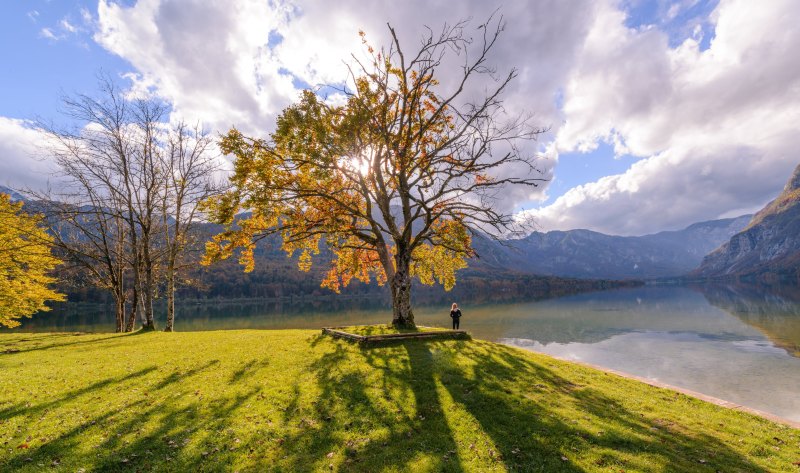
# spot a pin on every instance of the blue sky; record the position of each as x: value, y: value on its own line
x: 37, y: 69
x: 678, y: 24
x: 575, y: 169
x: 653, y: 106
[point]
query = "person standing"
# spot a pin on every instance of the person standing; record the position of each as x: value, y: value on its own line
x: 455, y: 314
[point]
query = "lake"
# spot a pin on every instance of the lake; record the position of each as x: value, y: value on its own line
x: 738, y: 343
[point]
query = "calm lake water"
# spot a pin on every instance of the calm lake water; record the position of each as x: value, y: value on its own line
x: 737, y: 343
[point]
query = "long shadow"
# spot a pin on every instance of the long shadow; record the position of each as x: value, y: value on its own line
x: 248, y: 368
x: 548, y: 440
x: 397, y: 413
x: 499, y: 415
x: 178, y: 375
x: 390, y: 415
x: 682, y: 451
x: 40, y: 347
x: 164, y: 447
x: 154, y: 434
x: 28, y: 409
x: 36, y: 337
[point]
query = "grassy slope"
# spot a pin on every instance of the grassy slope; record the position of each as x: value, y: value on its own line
x: 295, y: 401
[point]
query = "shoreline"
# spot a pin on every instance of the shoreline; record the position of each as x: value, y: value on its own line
x: 658, y: 384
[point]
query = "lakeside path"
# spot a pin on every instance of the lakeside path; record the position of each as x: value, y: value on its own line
x: 294, y: 400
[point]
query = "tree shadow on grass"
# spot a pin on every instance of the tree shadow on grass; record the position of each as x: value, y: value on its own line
x: 679, y: 448
x: 178, y: 375
x: 190, y: 438
x: 157, y: 438
x: 247, y: 369
x: 549, y: 440
x: 34, y: 344
x: 161, y: 430
x: 34, y: 337
x: 410, y: 406
x: 529, y: 417
x: 29, y: 409
x: 481, y: 392
x: 368, y: 420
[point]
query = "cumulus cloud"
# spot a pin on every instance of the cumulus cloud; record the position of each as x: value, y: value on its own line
x: 241, y: 65
x: 20, y: 166
x: 717, y: 128
x: 211, y: 60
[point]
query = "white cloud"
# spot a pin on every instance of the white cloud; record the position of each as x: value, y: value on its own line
x: 210, y: 60
x: 718, y: 127
x: 63, y: 29
x: 86, y: 16
x: 217, y: 64
x: 19, y: 165
x: 67, y: 26
x: 49, y: 34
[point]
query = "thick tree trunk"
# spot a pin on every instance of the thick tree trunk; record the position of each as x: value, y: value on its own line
x: 402, y: 315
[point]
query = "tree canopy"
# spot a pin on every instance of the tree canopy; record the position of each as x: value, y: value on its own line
x: 394, y: 180
x: 25, y: 261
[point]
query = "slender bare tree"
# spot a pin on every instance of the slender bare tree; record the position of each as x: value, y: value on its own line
x: 189, y: 168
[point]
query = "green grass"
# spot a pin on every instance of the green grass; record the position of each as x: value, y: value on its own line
x: 386, y: 329
x: 296, y: 401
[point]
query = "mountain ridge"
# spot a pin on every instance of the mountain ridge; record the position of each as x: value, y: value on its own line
x: 585, y: 253
x: 768, y: 247
x: 580, y: 253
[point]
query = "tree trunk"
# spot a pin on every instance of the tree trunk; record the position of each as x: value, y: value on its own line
x: 402, y: 315
x: 120, y: 312
x: 147, y: 293
x: 134, y: 308
x: 170, y: 300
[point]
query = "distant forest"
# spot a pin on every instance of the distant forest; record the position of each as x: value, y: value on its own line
x: 277, y: 277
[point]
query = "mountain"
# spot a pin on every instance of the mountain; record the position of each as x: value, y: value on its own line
x: 549, y: 262
x: 15, y: 196
x: 768, y: 248
x: 588, y: 254
x: 275, y: 275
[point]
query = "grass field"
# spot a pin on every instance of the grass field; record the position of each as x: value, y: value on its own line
x: 296, y: 401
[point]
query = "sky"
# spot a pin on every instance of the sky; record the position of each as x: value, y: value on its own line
x: 659, y: 113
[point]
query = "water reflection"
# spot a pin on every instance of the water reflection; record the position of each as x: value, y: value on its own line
x: 674, y: 335
x: 734, y: 342
x: 775, y: 311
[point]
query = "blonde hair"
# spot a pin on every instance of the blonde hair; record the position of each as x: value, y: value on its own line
x: 455, y: 306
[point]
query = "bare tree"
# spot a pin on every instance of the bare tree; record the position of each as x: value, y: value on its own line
x: 93, y: 240
x: 189, y: 167
x: 128, y: 190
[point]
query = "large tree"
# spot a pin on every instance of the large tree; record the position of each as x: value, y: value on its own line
x: 25, y: 263
x: 394, y: 180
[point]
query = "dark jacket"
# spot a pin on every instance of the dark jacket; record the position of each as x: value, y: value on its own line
x: 455, y: 314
